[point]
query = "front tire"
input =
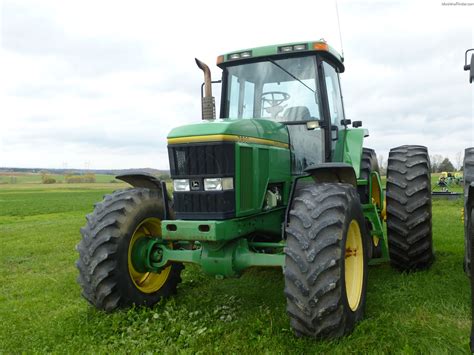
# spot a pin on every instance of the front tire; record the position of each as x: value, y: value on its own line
x: 326, y: 261
x: 409, y: 208
x: 106, y: 273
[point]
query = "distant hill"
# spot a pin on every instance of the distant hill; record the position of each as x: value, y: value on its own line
x: 85, y: 171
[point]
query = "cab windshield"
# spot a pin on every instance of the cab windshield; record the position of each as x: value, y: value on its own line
x: 281, y: 90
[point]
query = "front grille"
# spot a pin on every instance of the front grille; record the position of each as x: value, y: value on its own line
x: 204, y: 204
x: 196, y: 162
x: 203, y: 160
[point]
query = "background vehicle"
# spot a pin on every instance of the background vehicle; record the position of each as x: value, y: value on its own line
x: 447, y: 179
x: 282, y: 180
x: 469, y: 203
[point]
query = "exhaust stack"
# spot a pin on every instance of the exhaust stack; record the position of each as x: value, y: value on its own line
x: 207, y: 101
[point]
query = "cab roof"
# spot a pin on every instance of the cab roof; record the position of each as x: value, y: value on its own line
x: 285, y: 49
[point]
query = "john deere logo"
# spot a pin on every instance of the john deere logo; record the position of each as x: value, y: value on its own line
x: 195, y: 185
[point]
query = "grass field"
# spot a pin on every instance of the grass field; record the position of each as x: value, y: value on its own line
x: 41, y: 309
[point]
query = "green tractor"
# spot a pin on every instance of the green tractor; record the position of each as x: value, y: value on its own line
x: 280, y: 180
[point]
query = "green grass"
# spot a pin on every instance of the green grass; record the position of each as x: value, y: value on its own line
x: 41, y: 309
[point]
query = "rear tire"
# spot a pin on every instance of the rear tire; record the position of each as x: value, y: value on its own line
x: 468, y: 172
x: 326, y: 261
x: 106, y: 275
x: 409, y: 208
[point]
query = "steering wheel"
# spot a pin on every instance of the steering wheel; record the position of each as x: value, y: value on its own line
x: 275, y: 98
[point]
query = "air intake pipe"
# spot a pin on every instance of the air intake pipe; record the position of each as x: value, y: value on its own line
x: 208, y: 104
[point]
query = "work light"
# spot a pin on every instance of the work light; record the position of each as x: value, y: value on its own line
x: 299, y: 47
x: 286, y: 49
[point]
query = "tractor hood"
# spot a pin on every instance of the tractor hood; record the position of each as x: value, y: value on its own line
x: 255, y: 128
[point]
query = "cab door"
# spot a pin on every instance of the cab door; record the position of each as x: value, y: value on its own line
x: 334, y: 110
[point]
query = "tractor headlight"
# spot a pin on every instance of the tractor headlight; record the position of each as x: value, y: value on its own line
x: 218, y: 184
x: 181, y: 185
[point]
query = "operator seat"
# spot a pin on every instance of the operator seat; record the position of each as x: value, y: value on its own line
x: 297, y: 113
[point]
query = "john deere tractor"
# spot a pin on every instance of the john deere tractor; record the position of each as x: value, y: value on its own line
x: 281, y: 179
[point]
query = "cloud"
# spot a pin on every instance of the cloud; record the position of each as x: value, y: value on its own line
x: 28, y: 33
x: 106, y: 81
x: 406, y: 80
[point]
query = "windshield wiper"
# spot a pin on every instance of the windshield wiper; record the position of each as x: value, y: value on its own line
x: 287, y: 72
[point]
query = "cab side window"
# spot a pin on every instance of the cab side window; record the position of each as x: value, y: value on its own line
x: 242, y: 92
x: 334, y: 94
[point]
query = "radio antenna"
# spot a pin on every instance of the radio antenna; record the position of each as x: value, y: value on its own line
x: 339, y: 27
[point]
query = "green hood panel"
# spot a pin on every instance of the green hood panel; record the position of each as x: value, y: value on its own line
x: 255, y: 127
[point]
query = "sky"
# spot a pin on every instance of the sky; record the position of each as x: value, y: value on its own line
x: 99, y: 84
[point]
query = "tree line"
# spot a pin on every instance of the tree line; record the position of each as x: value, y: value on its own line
x: 439, y: 163
x: 69, y: 178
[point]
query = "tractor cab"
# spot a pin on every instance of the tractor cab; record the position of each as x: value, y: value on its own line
x: 296, y: 85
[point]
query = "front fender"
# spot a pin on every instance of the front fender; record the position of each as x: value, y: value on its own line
x: 149, y: 181
x: 141, y: 180
x: 333, y: 172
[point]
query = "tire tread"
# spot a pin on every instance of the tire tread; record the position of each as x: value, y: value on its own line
x: 409, y: 215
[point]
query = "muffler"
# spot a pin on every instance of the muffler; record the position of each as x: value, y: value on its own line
x: 207, y: 101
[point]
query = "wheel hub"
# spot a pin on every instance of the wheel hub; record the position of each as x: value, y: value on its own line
x: 145, y: 281
x: 354, y: 265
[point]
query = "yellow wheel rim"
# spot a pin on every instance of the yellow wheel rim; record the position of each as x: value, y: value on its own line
x: 354, y: 265
x: 146, y: 282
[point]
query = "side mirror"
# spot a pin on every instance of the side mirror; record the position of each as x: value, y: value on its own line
x: 471, y: 73
x: 470, y: 67
x: 357, y: 124
x: 334, y: 133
